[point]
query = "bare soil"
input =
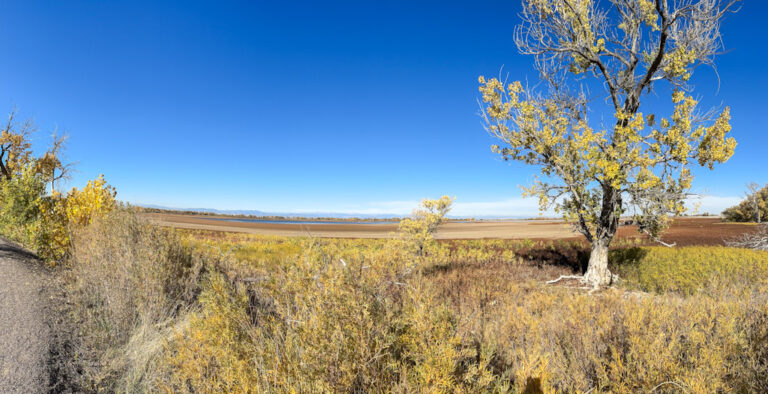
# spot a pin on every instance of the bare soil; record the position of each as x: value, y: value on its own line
x: 684, y: 231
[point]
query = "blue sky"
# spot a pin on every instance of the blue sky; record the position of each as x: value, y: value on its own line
x: 317, y: 106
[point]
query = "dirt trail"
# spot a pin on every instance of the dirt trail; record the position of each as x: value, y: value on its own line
x: 25, y: 336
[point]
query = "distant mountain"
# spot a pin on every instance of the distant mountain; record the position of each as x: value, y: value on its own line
x: 247, y: 212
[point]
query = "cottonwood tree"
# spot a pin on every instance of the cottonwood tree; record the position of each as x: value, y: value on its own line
x: 16, y: 152
x: 622, y: 49
x: 15, y: 147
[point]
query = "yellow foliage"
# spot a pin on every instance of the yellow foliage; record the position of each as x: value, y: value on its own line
x: 59, y: 216
x: 650, y: 164
x: 418, y: 230
x: 96, y: 199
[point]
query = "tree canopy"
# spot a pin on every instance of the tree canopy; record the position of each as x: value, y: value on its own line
x: 593, y: 173
x: 751, y: 209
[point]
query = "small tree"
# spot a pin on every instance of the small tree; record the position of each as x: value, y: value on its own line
x: 623, y: 48
x: 418, y: 230
x: 50, y: 164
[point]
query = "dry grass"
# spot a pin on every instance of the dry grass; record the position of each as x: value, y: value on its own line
x: 127, y: 287
x: 277, y: 314
x: 472, y: 316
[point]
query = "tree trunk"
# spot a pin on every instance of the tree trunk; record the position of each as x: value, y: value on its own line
x: 597, y: 271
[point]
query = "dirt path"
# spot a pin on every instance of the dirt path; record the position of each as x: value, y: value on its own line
x: 24, y: 333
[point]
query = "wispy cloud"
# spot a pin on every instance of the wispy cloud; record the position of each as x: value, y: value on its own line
x: 712, y: 204
x: 513, y: 207
x: 508, y: 208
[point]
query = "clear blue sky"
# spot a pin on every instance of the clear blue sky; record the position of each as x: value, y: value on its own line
x: 316, y: 106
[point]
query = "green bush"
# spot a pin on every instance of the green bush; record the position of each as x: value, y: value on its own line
x: 745, y: 210
x: 20, y: 199
x: 687, y: 270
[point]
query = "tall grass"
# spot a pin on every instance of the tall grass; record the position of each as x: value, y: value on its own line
x: 340, y: 316
x: 189, y: 311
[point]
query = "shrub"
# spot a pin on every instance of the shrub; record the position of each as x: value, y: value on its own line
x: 20, y: 199
x: 44, y: 222
x: 747, y: 210
x: 95, y: 200
x: 129, y: 283
x: 52, y: 233
x: 687, y: 270
x: 343, y: 315
x: 319, y: 321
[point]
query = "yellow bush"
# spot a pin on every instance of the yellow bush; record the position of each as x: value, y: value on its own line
x: 96, y: 199
x: 689, y: 269
x: 215, y: 352
x: 59, y: 216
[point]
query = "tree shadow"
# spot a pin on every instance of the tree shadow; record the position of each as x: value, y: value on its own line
x: 533, y: 386
x: 577, y: 257
x: 626, y: 257
x: 570, y: 256
x: 10, y: 249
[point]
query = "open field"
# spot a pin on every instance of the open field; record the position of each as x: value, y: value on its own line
x: 181, y: 310
x: 478, y: 316
x: 684, y: 231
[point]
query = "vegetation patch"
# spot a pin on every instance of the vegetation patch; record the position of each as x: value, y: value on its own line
x: 688, y: 270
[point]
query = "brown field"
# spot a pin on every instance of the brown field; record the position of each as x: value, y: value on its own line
x: 684, y: 231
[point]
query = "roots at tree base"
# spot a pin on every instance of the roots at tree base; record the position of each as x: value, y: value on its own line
x: 597, y: 271
x: 597, y: 274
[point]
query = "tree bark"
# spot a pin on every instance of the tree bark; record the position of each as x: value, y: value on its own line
x: 608, y: 224
x: 597, y: 271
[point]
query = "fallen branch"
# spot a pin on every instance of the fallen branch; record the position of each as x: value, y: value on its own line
x: 579, y: 277
x: 657, y: 239
x: 665, y: 383
x: 757, y: 240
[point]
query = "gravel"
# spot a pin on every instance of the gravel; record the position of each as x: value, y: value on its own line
x: 25, y: 336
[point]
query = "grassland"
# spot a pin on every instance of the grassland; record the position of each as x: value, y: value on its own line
x: 159, y: 309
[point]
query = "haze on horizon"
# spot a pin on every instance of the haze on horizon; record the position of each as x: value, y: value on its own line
x: 343, y: 108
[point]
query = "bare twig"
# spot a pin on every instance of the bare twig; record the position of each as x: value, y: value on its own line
x: 757, y: 240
